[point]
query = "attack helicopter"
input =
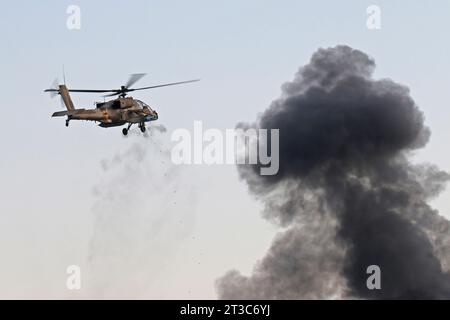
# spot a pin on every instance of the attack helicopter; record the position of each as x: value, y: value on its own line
x: 120, y: 111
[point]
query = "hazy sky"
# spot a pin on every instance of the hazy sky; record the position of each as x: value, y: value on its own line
x: 136, y: 225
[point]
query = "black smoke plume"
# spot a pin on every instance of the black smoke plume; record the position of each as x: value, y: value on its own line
x: 346, y: 192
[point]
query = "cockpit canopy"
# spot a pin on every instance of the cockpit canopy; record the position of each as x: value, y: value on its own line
x: 141, y: 104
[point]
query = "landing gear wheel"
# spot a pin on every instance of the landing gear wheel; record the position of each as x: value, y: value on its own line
x: 143, y: 129
x: 124, y: 131
x: 67, y: 123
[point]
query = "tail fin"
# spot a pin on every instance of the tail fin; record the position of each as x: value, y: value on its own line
x: 66, y: 97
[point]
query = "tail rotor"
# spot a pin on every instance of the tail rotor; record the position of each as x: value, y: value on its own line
x: 54, y: 91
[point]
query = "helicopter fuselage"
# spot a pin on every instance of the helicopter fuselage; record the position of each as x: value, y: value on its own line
x: 114, y: 113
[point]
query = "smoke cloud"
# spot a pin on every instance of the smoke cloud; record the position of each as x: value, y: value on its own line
x: 346, y: 193
x: 140, y: 219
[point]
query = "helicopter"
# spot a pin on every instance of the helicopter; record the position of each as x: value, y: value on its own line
x: 113, y: 113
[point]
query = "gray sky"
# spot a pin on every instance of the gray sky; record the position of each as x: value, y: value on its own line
x: 85, y: 195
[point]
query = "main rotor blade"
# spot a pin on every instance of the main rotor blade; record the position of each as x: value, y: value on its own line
x: 92, y: 91
x: 135, y: 77
x: 83, y: 90
x: 131, y: 81
x: 51, y: 90
x: 112, y: 94
x: 164, y: 85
